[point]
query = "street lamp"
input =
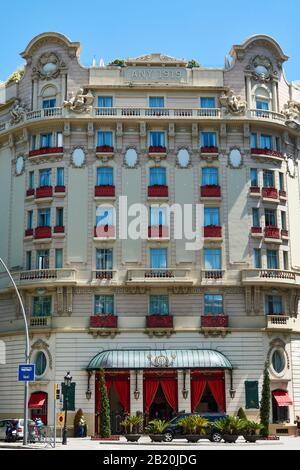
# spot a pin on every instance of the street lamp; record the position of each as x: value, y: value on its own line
x: 25, y: 434
x: 67, y: 383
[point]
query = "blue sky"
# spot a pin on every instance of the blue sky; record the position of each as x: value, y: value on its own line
x: 128, y: 28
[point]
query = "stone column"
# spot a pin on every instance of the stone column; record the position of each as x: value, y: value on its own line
x: 274, y: 97
x: 249, y: 92
x: 35, y: 95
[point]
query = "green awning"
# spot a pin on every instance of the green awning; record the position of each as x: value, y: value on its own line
x: 160, y: 359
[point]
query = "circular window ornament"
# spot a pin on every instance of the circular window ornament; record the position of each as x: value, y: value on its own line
x: 183, y: 158
x: 235, y: 158
x: 20, y: 165
x: 40, y: 364
x: 131, y: 158
x: 50, y: 68
x: 278, y: 361
x: 262, y: 71
x: 78, y: 157
x: 291, y: 167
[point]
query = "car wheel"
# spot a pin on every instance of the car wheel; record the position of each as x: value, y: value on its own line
x: 168, y: 437
x: 216, y: 437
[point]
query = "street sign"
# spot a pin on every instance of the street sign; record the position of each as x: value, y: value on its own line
x: 26, y: 372
x: 61, y: 419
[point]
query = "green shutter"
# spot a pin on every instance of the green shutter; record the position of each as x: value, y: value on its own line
x: 71, y: 397
x: 251, y: 393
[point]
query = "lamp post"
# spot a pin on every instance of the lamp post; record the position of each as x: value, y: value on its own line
x: 25, y: 435
x: 67, y: 383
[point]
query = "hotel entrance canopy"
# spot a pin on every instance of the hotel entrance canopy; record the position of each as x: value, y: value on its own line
x: 160, y: 359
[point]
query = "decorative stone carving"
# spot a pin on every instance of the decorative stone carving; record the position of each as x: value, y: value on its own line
x: 235, y: 158
x: 261, y: 68
x: 131, y: 158
x: 41, y: 345
x: 18, y: 112
x: 80, y: 103
x: 291, y: 110
x: 278, y: 343
x: 232, y: 103
x: 49, y: 66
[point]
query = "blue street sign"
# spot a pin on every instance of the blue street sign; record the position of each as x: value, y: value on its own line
x: 26, y: 372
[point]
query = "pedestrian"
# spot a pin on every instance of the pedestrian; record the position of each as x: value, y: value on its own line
x: 297, y: 422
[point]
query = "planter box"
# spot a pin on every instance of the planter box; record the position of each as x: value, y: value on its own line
x: 105, y: 231
x: 46, y: 151
x: 272, y: 232
x: 213, y: 231
x: 209, y: 150
x: 104, y: 321
x: 159, y: 321
x: 102, y: 191
x: 59, y: 229
x: 42, y: 232
x: 285, y: 233
x: 30, y: 192
x: 104, y: 149
x: 157, y: 149
x: 44, y: 191
x: 270, y: 193
x: 267, y: 153
x: 60, y: 189
x: 211, y: 321
x: 210, y: 191
x: 256, y: 230
x: 158, y: 231
x: 158, y: 191
x: 29, y: 232
x: 255, y: 189
x: 157, y: 437
x: 132, y: 437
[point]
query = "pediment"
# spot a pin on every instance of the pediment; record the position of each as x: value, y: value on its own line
x: 156, y: 59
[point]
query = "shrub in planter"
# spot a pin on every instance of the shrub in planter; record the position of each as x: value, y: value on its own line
x: 156, y: 428
x: 251, y: 430
x: 230, y: 427
x: 105, y: 430
x: 241, y: 414
x: 193, y: 427
x: 132, y: 426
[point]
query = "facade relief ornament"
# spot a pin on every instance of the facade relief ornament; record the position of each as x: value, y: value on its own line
x: 49, y: 66
x: 41, y: 345
x: 291, y: 111
x: 80, y: 103
x: 18, y: 112
x: 262, y: 69
x: 233, y: 104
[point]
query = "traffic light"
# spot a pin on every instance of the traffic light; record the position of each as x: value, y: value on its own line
x: 57, y: 397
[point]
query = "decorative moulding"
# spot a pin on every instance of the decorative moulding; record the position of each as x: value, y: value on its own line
x: 183, y: 158
x: 235, y: 158
x: 49, y: 66
x: 78, y: 157
x: 41, y: 345
x: 131, y: 158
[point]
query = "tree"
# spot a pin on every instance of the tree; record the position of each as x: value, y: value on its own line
x: 241, y: 414
x: 104, y: 408
x: 265, y: 402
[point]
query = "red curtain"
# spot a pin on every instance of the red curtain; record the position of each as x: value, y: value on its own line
x: 198, y: 387
x: 169, y: 388
x: 151, y: 387
x: 217, y: 389
x: 122, y: 388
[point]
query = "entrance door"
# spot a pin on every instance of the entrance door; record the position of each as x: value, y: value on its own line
x: 160, y: 408
x: 160, y: 394
x: 207, y: 391
x: 38, y: 404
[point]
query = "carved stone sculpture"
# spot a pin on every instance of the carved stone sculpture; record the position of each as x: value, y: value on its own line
x: 233, y: 104
x: 80, y: 102
x: 18, y: 112
x: 292, y: 111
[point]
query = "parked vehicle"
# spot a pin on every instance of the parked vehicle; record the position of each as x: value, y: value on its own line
x: 175, y: 431
x: 19, y: 425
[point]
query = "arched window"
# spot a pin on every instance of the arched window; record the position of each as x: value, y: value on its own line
x: 49, y: 97
x: 262, y: 98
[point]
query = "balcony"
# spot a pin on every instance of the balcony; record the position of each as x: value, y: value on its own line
x: 269, y: 277
x: 46, y: 152
x: 272, y: 235
x: 270, y: 194
x: 208, y: 275
x: 279, y: 322
x: 158, y: 232
x: 209, y: 152
x: 210, y: 191
x: 159, y: 321
x: 59, y: 230
x: 158, y: 191
x: 159, y: 276
x: 29, y: 233
x: 39, y: 276
x: 101, y: 275
x: 282, y: 195
x: 43, y: 233
x: 44, y: 193
x: 213, y: 231
x: 104, y: 321
x: 267, y: 115
x: 214, y: 321
x: 105, y: 152
x: 104, y: 232
x: 284, y: 234
x: 267, y: 154
x: 157, y: 152
x: 59, y: 190
x: 40, y: 322
x: 256, y: 232
x: 105, y: 191
x: 254, y: 191
x: 30, y: 193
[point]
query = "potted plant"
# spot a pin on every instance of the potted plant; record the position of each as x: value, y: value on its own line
x: 156, y: 428
x: 193, y: 427
x: 251, y: 430
x: 118, y: 62
x: 132, y: 426
x: 230, y: 427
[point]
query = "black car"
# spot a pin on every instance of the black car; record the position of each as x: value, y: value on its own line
x: 174, y: 431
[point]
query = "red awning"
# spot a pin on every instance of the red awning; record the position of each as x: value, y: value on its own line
x: 37, y: 401
x: 282, y: 398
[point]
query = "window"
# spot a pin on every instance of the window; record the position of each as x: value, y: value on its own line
x: 270, y: 218
x: 30, y: 219
x: 253, y: 176
x: 213, y: 304
x: 59, y: 139
x: 251, y: 394
x: 105, y: 138
x: 49, y: 103
x: 105, y: 176
x: 253, y: 140
x: 41, y: 306
x: 257, y: 258
x: 255, y: 217
x: 211, y: 216
x: 272, y: 259
x: 157, y: 216
x: 104, y: 216
x: 31, y: 180
x: 262, y: 105
x: 210, y: 176
x: 45, y: 177
x: 285, y: 260
x: 33, y: 142
x: 104, y: 258
x: 266, y: 141
x: 268, y: 177
x: 158, y: 258
x: 281, y: 182
x: 59, y: 217
x: 156, y: 102
x: 274, y: 305
x: 157, y: 139
x: 59, y: 258
x: 42, y: 259
x: 212, y: 258
x: 158, y: 176
x: 28, y: 260
x: 40, y: 363
x: 159, y: 305
x: 105, y: 101
x: 44, y: 217
x: 104, y: 304
x: 207, y: 102
x: 278, y: 144
x: 60, y: 177
x: 46, y: 140
x: 208, y: 139
x: 283, y: 220
x: 278, y: 361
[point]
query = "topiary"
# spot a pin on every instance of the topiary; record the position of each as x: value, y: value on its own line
x: 241, y: 414
x: 105, y: 430
x: 265, y: 403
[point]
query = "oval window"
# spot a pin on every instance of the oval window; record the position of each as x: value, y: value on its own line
x: 40, y: 364
x: 78, y: 157
x: 278, y: 361
x: 131, y: 158
x: 50, y: 67
x: 235, y: 158
x: 19, y: 165
x: 183, y: 158
x: 261, y: 70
